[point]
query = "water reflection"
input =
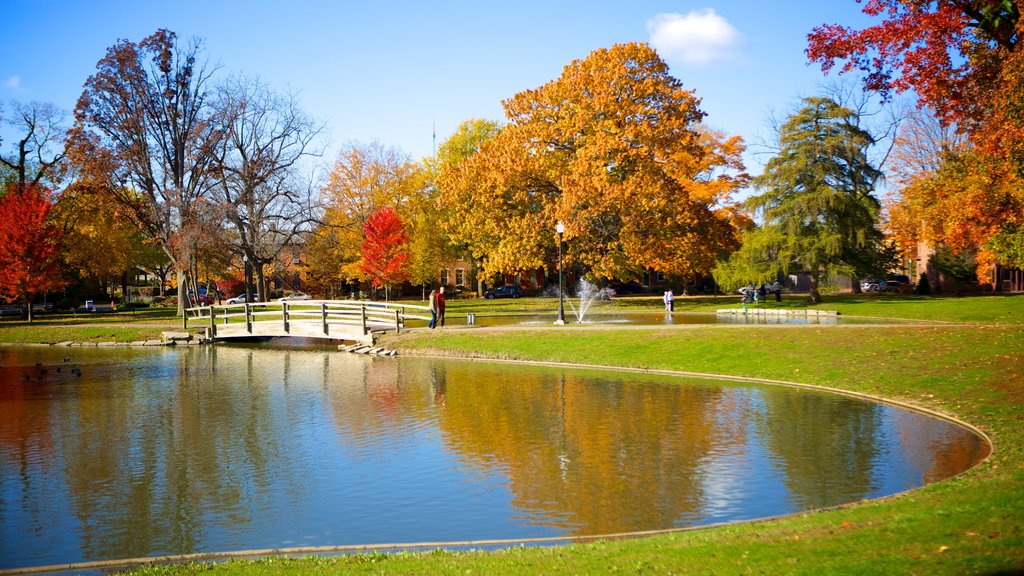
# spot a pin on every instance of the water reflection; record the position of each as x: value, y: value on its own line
x: 132, y: 452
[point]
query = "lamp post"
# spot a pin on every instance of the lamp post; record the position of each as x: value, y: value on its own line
x: 246, y: 275
x: 560, y: 228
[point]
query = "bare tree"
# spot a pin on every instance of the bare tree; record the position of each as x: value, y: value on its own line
x: 39, y: 152
x: 144, y: 120
x: 267, y: 141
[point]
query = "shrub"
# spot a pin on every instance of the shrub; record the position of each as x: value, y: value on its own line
x: 924, y: 286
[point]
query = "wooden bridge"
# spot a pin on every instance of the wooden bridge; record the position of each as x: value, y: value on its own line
x: 352, y: 320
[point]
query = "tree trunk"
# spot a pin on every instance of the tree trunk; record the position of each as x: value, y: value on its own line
x: 815, y: 295
x: 855, y: 286
x: 182, y: 291
x: 261, y: 282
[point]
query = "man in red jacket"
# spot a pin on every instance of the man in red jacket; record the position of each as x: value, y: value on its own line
x: 439, y: 304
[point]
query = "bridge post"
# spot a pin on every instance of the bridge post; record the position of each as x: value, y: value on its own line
x: 248, y: 319
x: 398, y: 320
x: 184, y: 319
x: 284, y: 315
x: 362, y: 308
x: 213, y: 322
x: 323, y: 317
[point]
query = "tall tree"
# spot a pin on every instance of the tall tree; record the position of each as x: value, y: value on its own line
x: 613, y: 148
x: 817, y: 209
x: 258, y: 167
x: 145, y: 119
x: 29, y: 245
x: 385, y: 249
x: 964, y: 61
x: 39, y: 154
x: 431, y: 244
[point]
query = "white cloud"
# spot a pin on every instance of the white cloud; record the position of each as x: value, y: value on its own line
x: 12, y: 83
x: 700, y: 37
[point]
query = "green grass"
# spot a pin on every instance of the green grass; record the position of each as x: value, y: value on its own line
x: 121, y: 327
x: 988, y: 309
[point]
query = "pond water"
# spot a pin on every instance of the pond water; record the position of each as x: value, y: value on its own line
x: 110, y: 453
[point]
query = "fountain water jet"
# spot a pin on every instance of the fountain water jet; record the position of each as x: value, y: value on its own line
x: 587, y: 293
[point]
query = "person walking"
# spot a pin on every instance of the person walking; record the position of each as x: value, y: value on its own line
x: 669, y: 299
x: 432, y: 306
x: 440, y: 306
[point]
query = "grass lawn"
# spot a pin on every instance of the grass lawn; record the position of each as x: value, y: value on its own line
x: 143, y: 324
x: 971, y: 524
x: 991, y: 308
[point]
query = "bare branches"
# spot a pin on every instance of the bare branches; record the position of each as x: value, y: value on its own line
x: 39, y: 152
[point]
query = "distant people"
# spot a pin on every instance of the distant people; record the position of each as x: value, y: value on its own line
x: 432, y: 306
x: 440, y: 306
x: 670, y: 300
x: 757, y: 296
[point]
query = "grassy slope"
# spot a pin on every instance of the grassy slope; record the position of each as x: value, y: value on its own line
x: 972, y: 524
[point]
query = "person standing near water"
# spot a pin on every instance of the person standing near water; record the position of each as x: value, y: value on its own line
x: 440, y: 306
x: 669, y: 299
x: 432, y: 306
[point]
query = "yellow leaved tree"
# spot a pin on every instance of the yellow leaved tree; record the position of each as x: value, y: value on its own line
x: 615, y: 149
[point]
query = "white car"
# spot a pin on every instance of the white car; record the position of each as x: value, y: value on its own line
x: 293, y: 296
x: 240, y: 299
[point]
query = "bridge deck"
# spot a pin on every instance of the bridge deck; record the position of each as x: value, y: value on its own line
x: 351, y: 320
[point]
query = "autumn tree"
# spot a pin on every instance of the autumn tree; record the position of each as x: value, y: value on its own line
x: 144, y: 125
x: 385, y: 249
x: 100, y: 242
x: 364, y: 179
x: 38, y: 153
x: 29, y: 245
x: 963, y: 60
x: 613, y: 148
x: 259, y: 187
x: 817, y: 211
x: 431, y: 245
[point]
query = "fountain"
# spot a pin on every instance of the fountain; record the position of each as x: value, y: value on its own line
x: 587, y: 293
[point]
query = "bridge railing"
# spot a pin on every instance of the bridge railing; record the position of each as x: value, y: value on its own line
x: 323, y: 318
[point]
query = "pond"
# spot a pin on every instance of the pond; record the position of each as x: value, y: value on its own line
x: 110, y: 453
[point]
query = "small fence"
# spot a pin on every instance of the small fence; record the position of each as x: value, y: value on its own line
x: 332, y: 319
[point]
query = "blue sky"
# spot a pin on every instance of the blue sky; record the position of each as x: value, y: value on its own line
x: 392, y: 71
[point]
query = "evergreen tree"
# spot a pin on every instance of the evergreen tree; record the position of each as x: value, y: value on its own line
x: 816, y: 210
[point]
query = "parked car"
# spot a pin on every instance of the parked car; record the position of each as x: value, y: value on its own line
x: 882, y: 285
x: 240, y: 299
x: 509, y: 291
x: 293, y: 296
x: 890, y: 286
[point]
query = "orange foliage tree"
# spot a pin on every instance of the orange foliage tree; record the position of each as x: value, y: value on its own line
x: 614, y: 148
x: 963, y: 60
x: 29, y: 245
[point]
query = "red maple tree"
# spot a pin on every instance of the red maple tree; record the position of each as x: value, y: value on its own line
x: 385, y: 249
x: 29, y: 245
x: 951, y: 52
